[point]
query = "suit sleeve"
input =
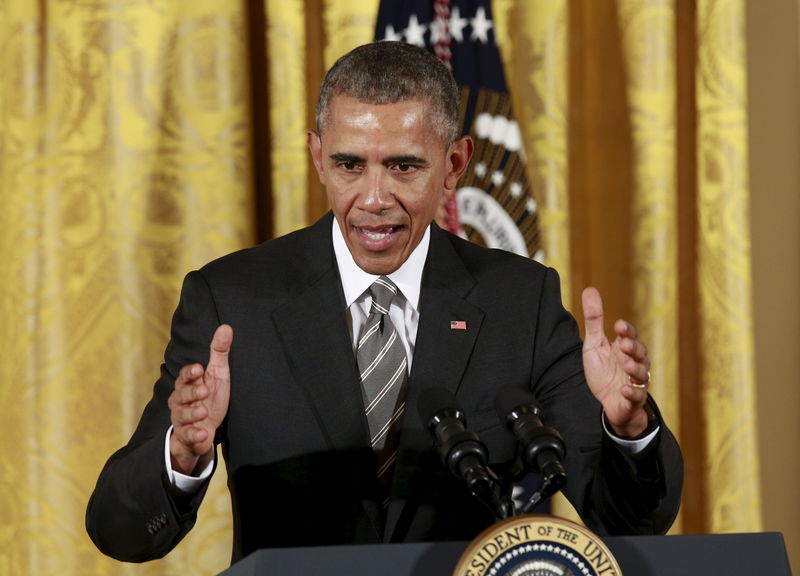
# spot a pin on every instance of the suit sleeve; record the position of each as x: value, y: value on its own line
x: 614, y: 493
x: 134, y: 514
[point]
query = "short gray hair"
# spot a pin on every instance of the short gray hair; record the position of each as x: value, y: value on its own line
x: 389, y: 72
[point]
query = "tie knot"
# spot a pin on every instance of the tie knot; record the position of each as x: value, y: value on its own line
x: 383, y: 292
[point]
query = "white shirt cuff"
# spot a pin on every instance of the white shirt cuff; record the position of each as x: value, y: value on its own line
x: 183, y: 482
x: 631, y: 447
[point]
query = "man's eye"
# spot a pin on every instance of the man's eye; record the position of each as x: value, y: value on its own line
x: 402, y: 167
x: 349, y: 166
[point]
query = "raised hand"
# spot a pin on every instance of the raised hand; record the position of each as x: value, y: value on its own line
x: 199, y: 404
x: 617, y: 372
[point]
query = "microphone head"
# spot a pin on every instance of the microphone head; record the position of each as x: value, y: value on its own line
x: 434, y: 401
x: 512, y: 398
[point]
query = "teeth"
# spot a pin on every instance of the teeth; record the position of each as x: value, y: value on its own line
x: 374, y: 235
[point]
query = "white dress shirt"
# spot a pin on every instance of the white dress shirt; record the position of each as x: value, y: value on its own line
x: 404, y: 310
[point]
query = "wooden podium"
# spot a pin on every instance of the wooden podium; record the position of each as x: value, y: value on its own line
x: 689, y: 555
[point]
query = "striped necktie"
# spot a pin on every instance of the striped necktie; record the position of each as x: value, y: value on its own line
x: 383, y: 366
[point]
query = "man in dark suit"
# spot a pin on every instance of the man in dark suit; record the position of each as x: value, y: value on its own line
x: 285, y: 399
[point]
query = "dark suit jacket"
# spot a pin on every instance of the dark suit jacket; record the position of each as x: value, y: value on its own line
x: 300, y: 470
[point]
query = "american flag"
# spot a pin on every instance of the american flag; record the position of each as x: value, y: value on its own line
x: 494, y: 204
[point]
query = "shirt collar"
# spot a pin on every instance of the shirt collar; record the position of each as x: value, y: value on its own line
x: 355, y: 281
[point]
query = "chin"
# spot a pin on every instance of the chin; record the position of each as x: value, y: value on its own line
x: 378, y: 268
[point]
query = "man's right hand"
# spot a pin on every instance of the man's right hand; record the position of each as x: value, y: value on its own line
x: 198, y: 405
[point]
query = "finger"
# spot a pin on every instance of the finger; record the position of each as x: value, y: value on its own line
x: 634, y: 349
x: 593, y: 313
x: 181, y: 404
x: 188, y: 415
x: 635, y: 395
x: 220, y: 348
x: 189, y: 374
x: 222, y: 340
x: 625, y: 329
x: 638, y: 373
x: 198, y: 436
x: 193, y: 437
x: 188, y: 393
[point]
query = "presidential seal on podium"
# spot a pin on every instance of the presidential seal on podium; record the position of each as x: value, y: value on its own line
x: 537, y: 545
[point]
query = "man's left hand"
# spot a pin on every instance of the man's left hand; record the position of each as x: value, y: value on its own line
x: 617, y: 372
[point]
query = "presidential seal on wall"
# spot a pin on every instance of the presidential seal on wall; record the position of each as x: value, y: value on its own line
x: 537, y: 545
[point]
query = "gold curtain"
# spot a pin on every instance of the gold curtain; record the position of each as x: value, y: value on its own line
x: 126, y: 159
x: 532, y: 37
x: 126, y: 162
x: 285, y: 50
x: 659, y: 207
x: 723, y: 269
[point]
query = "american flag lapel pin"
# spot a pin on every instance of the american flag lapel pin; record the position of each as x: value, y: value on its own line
x: 458, y: 325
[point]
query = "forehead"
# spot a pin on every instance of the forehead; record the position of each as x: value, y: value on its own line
x: 347, y: 111
x: 363, y: 128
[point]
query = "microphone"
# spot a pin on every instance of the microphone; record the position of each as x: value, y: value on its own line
x: 461, y: 451
x: 541, y: 447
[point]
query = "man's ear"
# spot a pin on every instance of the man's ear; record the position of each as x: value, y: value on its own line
x: 315, y: 148
x: 458, y: 156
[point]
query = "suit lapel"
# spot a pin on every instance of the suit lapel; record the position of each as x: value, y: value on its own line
x: 448, y: 328
x: 449, y: 324
x: 317, y: 344
x: 316, y: 340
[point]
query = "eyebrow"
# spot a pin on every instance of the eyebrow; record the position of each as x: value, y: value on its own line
x: 342, y: 157
x: 402, y: 159
x: 406, y: 159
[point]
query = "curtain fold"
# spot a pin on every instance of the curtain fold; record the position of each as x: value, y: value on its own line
x: 723, y: 264
x: 288, y: 114
x: 532, y: 37
x: 124, y: 140
x: 682, y: 270
x: 648, y: 37
x: 648, y: 32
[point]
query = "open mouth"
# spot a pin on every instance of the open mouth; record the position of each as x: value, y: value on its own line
x: 377, y: 238
x: 377, y: 234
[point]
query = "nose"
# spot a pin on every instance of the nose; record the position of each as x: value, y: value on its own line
x: 377, y: 195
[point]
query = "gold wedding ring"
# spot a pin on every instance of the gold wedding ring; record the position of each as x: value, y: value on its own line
x: 644, y: 385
